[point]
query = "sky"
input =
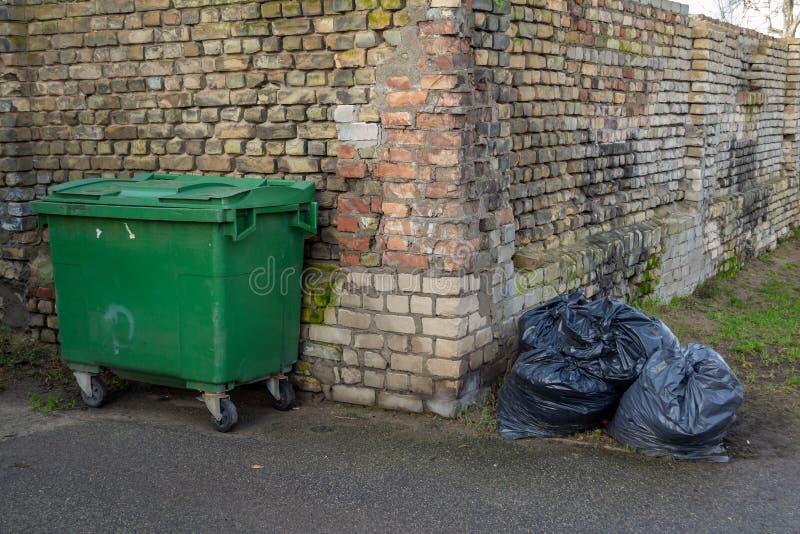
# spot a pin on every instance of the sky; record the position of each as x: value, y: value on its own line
x: 702, y: 7
x: 751, y: 19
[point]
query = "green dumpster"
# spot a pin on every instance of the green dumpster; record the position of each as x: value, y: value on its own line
x: 183, y: 281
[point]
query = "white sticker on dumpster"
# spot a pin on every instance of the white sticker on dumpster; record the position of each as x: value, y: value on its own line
x: 131, y: 235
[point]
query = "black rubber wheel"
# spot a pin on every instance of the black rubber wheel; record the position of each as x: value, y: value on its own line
x: 229, y: 416
x: 287, y: 396
x: 98, y: 397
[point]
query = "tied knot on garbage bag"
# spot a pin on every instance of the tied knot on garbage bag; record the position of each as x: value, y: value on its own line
x: 579, y: 359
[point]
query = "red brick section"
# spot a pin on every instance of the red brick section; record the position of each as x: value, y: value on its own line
x: 425, y: 222
x: 355, y: 210
x: 351, y: 170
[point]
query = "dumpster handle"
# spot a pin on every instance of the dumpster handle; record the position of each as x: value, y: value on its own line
x: 309, y: 225
x: 247, y: 225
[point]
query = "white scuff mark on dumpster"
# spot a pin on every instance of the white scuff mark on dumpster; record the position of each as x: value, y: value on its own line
x: 112, y: 316
x: 99, y: 232
x: 131, y: 235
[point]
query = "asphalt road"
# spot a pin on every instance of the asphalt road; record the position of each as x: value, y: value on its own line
x: 151, y: 462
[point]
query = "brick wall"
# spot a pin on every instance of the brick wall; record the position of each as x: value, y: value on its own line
x: 744, y: 147
x: 471, y: 159
x: 650, y: 149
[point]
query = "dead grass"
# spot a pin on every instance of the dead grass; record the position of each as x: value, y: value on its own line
x: 21, y: 358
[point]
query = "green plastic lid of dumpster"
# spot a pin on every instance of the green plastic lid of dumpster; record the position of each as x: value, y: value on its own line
x: 182, y: 191
x: 174, y: 197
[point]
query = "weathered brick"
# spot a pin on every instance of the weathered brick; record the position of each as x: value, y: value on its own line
x: 314, y: 61
x: 350, y: 22
x: 354, y: 319
x: 393, y: 401
x: 371, y: 341
x: 273, y: 61
x: 232, y: 63
x: 456, y: 306
x: 404, y: 260
x: 353, y: 395
x: 454, y: 348
x: 107, y: 163
x: 271, y: 10
x: 85, y: 72
x: 100, y: 38
x: 446, y: 368
x: 316, y: 130
x: 135, y: 36
x: 353, y: 205
x: 374, y: 379
x: 296, y: 96
x: 193, y: 130
x: 145, y: 163
x: 176, y: 162
x: 379, y: 19
x: 298, y: 164
x: 116, y: 131
x: 216, y: 97
x: 350, y: 59
x: 116, y: 6
x: 439, y: 27
x: 396, y: 118
x: 407, y: 362
x: 438, y: 81
x: 217, y: 30
x: 291, y: 26
x: 276, y: 131
x: 259, y: 165
x: 354, y: 243
x: 366, y: 39
x: 395, y: 323
x: 329, y: 334
x: 353, y: 170
x: 395, y: 170
x: 150, y: 5
x: 234, y: 130
x: 217, y: 163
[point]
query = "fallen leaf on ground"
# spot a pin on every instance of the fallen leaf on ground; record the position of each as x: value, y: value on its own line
x: 256, y: 466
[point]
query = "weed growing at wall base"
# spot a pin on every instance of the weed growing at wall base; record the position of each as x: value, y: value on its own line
x: 22, y: 358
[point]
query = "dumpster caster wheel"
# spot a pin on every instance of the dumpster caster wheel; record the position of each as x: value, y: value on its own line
x: 98, y: 397
x: 228, y: 416
x: 287, y: 396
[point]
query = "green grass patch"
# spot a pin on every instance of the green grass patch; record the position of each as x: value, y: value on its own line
x: 50, y: 404
x: 481, y: 415
x: 750, y: 314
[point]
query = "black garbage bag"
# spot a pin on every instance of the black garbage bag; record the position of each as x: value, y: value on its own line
x: 547, y: 394
x: 539, y: 327
x: 681, y: 405
x: 576, y: 359
x: 611, y: 339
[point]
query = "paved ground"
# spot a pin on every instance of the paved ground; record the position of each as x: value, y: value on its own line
x: 150, y: 461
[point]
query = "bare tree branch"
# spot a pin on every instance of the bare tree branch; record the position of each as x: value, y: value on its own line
x: 732, y: 11
x: 782, y: 10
